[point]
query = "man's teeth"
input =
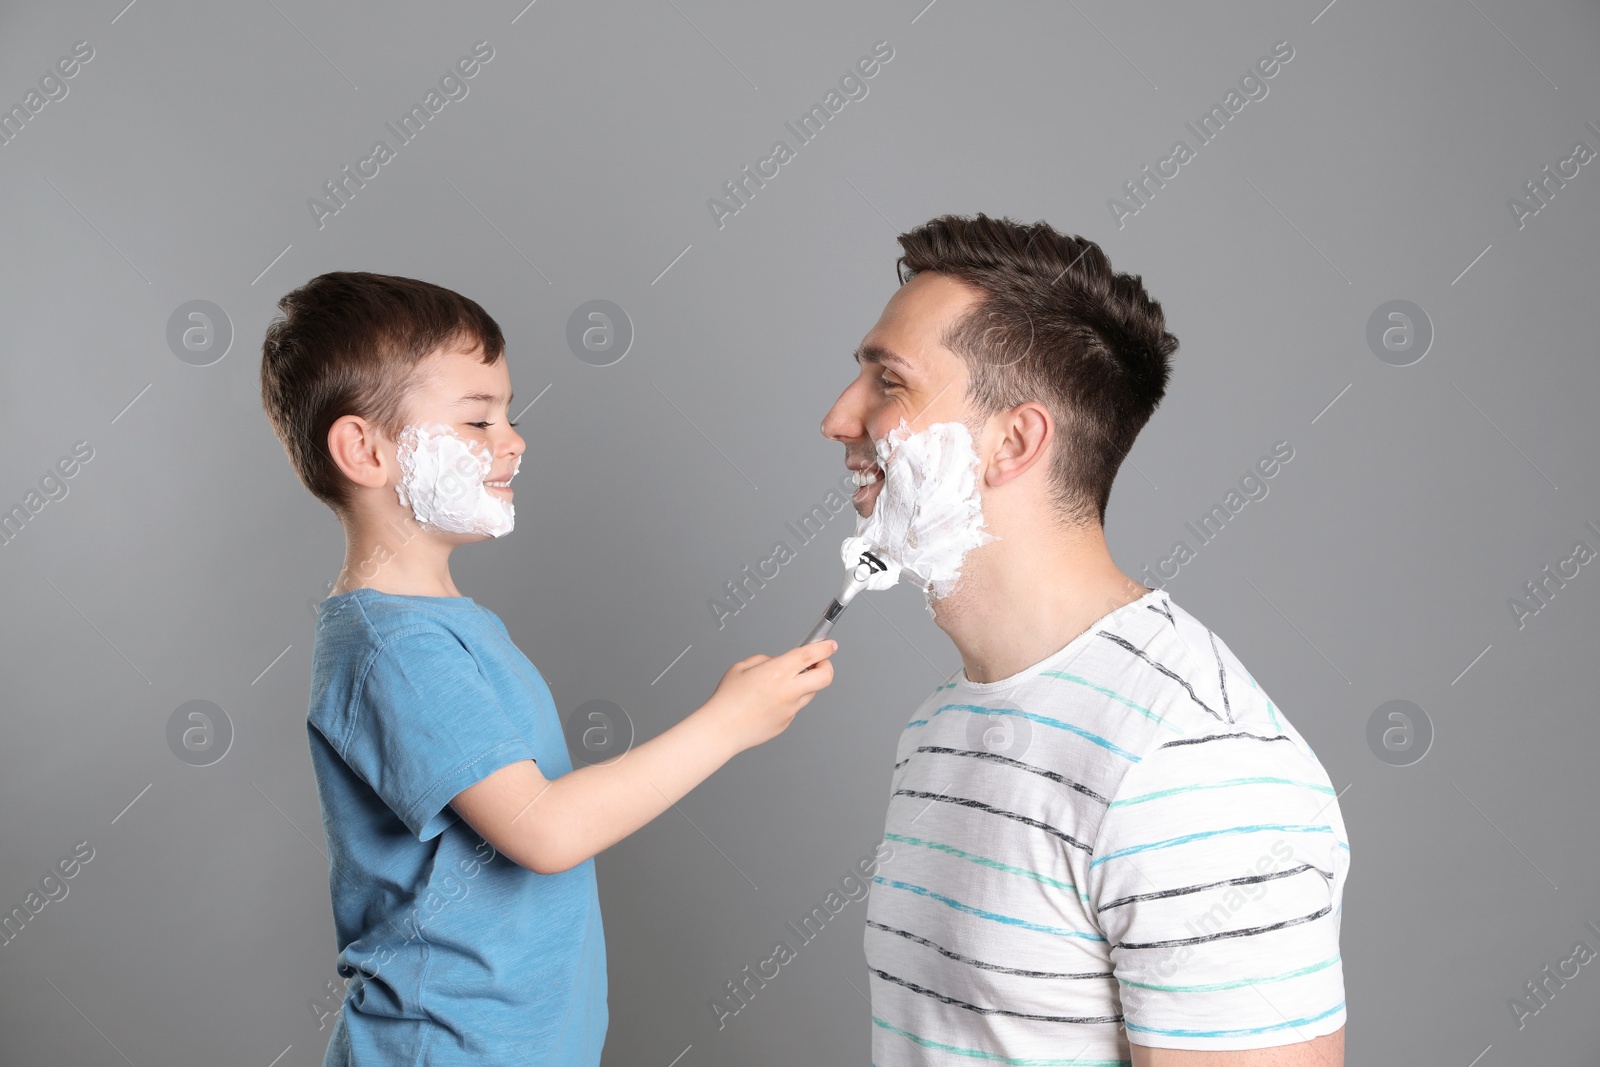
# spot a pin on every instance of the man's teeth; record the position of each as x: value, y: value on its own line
x: 500, y: 485
x: 866, y: 477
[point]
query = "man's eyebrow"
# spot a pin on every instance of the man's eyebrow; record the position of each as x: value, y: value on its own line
x: 879, y: 354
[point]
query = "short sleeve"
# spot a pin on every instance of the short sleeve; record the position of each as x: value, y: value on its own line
x: 1217, y: 881
x: 425, y: 724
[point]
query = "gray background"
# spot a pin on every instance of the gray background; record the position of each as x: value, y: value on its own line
x: 180, y: 565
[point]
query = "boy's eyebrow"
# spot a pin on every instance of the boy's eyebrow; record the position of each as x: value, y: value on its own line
x: 871, y: 353
x: 490, y: 398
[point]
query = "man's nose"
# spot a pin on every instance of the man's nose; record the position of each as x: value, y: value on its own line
x: 843, y: 422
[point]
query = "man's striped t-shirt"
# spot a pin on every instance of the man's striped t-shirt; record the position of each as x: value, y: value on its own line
x: 1126, y: 841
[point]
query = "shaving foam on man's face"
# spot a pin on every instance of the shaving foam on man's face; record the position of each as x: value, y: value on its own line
x: 928, y: 515
x: 442, y: 482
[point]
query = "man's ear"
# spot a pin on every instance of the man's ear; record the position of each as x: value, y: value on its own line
x: 1026, y: 434
x: 359, y: 450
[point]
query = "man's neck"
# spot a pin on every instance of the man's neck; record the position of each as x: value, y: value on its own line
x: 1022, y: 598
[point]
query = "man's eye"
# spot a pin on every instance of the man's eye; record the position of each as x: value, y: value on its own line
x: 888, y: 384
x: 481, y: 425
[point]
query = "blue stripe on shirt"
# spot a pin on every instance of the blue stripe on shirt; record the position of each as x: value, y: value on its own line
x: 1186, y: 838
x: 1218, y: 785
x: 1244, y: 1032
x: 922, y: 891
x: 995, y: 1057
x: 985, y: 861
x: 1212, y: 987
x: 1140, y: 708
x: 1044, y: 720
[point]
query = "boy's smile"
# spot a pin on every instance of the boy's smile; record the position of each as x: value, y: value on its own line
x: 455, y: 389
x: 445, y: 475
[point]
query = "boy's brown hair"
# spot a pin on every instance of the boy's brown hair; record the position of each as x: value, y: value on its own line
x: 349, y: 343
x: 1055, y: 325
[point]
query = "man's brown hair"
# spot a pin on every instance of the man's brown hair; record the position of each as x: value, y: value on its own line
x: 349, y: 343
x: 1055, y: 325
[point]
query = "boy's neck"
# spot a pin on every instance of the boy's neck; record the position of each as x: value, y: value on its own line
x: 394, y: 555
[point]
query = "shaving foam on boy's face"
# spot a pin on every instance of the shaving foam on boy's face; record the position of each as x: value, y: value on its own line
x: 929, y: 514
x: 442, y: 482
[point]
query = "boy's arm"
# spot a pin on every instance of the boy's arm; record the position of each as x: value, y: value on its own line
x: 550, y: 826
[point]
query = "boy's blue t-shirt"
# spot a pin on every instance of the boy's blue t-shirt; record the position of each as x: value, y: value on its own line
x: 453, y: 954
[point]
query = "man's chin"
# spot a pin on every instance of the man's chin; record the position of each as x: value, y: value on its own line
x: 865, y: 507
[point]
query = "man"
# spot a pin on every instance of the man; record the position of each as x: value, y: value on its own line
x: 1110, y: 845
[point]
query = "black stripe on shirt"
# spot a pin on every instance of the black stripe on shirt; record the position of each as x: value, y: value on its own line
x: 1250, y: 931
x: 1247, y: 880
x: 1222, y: 676
x: 979, y: 805
x: 953, y: 1002
x: 1007, y: 761
x: 1109, y: 636
x: 969, y: 961
x: 1223, y: 737
x: 1163, y: 612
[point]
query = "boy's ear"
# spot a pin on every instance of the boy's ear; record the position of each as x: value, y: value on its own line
x: 359, y: 450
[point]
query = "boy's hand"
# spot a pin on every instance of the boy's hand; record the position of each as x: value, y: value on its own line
x: 759, y: 696
x: 552, y: 825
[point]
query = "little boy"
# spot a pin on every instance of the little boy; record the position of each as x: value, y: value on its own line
x: 460, y: 839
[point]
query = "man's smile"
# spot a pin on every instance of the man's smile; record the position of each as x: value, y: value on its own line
x: 868, y: 478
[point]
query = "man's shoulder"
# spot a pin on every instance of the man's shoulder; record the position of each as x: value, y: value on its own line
x: 1230, y: 725
x: 1188, y: 686
x: 1225, y: 764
